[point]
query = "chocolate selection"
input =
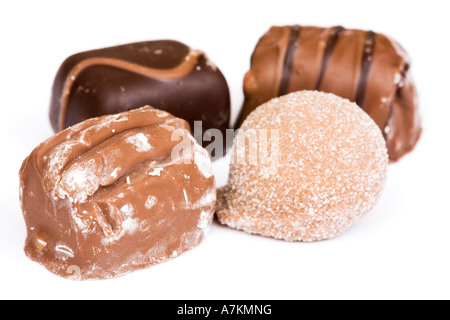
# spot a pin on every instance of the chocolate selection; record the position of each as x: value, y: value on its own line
x: 109, y: 196
x: 165, y: 74
x: 363, y: 66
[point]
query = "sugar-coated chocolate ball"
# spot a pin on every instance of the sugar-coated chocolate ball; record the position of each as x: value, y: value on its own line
x: 304, y: 167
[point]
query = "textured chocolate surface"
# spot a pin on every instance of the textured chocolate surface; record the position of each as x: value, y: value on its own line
x: 363, y: 66
x: 165, y: 74
x: 109, y: 195
x: 326, y: 168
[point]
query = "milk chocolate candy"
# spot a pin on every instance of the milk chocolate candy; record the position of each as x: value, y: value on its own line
x: 117, y: 193
x: 363, y: 66
x: 165, y: 74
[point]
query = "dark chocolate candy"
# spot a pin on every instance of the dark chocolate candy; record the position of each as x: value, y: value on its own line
x: 165, y: 74
x: 363, y: 66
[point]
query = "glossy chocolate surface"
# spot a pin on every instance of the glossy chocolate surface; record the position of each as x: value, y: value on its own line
x: 165, y: 74
x: 363, y: 66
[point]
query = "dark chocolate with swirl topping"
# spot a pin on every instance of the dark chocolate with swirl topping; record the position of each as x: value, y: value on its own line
x: 165, y: 74
x: 365, y: 67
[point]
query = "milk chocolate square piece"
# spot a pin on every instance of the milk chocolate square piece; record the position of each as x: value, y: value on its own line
x: 117, y: 193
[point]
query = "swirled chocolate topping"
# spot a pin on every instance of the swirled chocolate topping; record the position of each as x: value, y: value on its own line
x: 165, y: 74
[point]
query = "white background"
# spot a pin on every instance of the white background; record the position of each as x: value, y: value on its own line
x: 398, y: 251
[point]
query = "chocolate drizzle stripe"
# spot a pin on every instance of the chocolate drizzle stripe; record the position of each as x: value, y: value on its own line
x: 398, y: 86
x: 366, y: 63
x: 336, y: 32
x: 289, y: 60
x: 179, y: 72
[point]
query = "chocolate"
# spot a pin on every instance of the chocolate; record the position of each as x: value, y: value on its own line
x: 117, y: 193
x: 165, y: 74
x: 363, y: 66
x: 304, y: 167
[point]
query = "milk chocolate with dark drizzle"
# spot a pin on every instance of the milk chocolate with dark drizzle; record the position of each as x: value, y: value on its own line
x: 365, y: 67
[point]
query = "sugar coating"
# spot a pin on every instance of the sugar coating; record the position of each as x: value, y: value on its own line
x: 140, y: 141
x: 330, y: 170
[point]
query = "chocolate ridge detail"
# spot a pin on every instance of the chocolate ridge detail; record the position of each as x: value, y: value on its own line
x: 289, y: 60
x: 336, y: 32
x: 178, y: 72
x: 55, y: 160
x: 369, y: 45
